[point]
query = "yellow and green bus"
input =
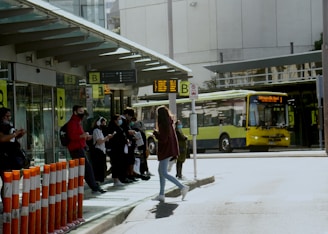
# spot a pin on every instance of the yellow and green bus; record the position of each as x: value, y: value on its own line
x: 227, y: 120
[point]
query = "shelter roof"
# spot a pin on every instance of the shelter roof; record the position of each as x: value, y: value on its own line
x: 48, y: 31
x: 301, y: 58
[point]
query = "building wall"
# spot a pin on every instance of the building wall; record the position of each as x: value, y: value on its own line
x: 92, y: 10
x: 240, y: 30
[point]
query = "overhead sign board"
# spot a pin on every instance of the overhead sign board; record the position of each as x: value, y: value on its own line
x: 112, y: 77
x: 165, y: 86
x: 67, y: 79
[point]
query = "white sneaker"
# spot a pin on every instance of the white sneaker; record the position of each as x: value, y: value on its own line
x: 182, y: 178
x: 118, y: 184
x: 160, y: 198
x: 184, y: 192
x: 171, y: 163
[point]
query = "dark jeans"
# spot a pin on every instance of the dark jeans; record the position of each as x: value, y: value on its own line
x: 88, y: 174
x: 118, y: 166
x: 98, y: 159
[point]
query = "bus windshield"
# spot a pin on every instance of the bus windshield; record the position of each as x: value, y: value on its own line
x: 267, y: 112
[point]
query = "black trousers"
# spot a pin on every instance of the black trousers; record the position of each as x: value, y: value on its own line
x: 98, y: 159
x: 88, y: 174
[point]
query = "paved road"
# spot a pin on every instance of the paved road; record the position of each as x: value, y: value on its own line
x: 110, y: 209
x: 285, y: 195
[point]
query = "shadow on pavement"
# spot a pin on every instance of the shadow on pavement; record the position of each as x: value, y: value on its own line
x: 163, y: 210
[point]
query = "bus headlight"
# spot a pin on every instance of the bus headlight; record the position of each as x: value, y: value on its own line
x: 255, y: 137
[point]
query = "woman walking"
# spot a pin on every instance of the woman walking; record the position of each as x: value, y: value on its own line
x: 167, y: 149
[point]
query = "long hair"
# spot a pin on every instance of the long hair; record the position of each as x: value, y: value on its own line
x: 164, y: 118
x: 3, y: 112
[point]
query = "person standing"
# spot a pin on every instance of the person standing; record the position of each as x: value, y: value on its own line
x: 8, y: 143
x: 167, y: 149
x: 77, y: 144
x: 98, y: 152
x: 126, y: 117
x: 116, y: 146
x: 182, y: 139
x: 144, y: 170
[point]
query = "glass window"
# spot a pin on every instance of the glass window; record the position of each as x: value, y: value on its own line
x: 148, y: 114
x: 35, y: 114
x: 210, y: 113
x: 225, y: 112
x: 184, y: 111
x: 267, y: 113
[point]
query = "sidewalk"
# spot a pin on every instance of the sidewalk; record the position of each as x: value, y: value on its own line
x: 102, y: 212
x: 107, y: 210
x: 110, y: 209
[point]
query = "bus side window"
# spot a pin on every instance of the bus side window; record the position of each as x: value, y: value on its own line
x: 242, y: 120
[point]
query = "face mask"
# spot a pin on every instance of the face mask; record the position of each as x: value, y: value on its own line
x: 6, y: 121
x: 179, y: 126
x: 131, y: 124
x: 120, y: 122
x: 81, y: 115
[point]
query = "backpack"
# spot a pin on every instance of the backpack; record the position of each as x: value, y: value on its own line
x: 63, y: 135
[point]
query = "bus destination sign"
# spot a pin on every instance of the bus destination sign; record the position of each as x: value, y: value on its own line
x: 165, y: 86
x: 270, y: 99
x: 112, y: 77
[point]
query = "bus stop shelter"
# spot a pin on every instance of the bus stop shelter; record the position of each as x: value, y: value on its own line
x: 36, y: 32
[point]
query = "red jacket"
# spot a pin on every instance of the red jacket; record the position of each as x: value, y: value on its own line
x: 74, y: 130
x: 167, y: 143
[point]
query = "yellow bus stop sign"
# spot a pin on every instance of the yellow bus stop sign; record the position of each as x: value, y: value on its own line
x: 184, y: 88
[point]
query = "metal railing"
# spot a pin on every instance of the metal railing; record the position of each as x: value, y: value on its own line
x: 247, y: 78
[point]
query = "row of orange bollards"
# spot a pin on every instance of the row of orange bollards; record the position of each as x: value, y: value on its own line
x: 53, y: 206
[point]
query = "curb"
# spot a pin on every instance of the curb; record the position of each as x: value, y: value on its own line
x: 114, y: 218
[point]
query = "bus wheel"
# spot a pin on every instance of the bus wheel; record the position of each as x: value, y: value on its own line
x: 151, y: 146
x: 224, y: 144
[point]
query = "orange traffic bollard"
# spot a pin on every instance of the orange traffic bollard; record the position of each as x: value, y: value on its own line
x: 58, y: 196
x: 37, y: 201
x: 81, y: 190
x: 25, y: 201
x: 32, y: 207
x: 52, y: 199
x: 70, y: 193
x: 64, y: 198
x: 45, y: 197
x: 15, y: 203
x: 8, y: 177
x: 76, y: 185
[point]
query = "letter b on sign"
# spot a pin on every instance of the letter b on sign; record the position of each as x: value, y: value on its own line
x: 184, y: 88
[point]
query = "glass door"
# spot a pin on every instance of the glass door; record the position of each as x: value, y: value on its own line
x: 35, y: 114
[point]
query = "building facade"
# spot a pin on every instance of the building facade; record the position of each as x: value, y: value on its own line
x: 91, y: 10
x: 239, y: 44
x: 212, y: 31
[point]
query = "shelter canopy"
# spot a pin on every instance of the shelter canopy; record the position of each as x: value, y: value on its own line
x: 48, y: 31
x: 301, y: 58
